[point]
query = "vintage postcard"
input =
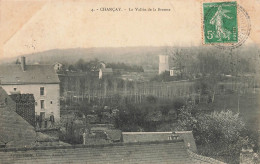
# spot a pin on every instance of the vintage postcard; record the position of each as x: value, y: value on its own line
x: 129, y: 81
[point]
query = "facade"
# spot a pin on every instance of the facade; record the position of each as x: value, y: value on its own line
x: 174, y: 71
x: 163, y: 63
x: 57, y: 67
x: 39, y: 80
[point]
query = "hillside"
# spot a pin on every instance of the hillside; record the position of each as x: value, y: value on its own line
x: 145, y: 56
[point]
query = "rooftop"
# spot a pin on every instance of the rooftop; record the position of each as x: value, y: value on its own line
x: 34, y: 74
x: 148, y: 152
x: 15, y: 131
x: 107, y: 70
x: 187, y: 136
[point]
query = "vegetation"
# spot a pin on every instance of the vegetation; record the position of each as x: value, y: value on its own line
x: 207, y: 62
x: 165, y: 77
x: 218, y: 134
x: 125, y: 67
x: 95, y: 65
x: 219, y: 130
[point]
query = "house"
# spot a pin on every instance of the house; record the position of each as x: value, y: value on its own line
x: 172, y: 151
x: 161, y: 152
x: 105, y: 72
x: 39, y: 80
x: 15, y: 131
x: 57, y: 66
x: 174, y: 71
x: 129, y: 137
x: 102, y: 64
x: 163, y: 63
x: 107, y: 133
x: 187, y: 136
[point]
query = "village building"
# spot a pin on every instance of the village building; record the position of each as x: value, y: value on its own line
x: 15, y: 130
x: 186, y: 136
x: 39, y: 80
x: 105, y: 72
x: 57, y: 67
x: 174, y: 71
x: 161, y: 151
x: 163, y: 63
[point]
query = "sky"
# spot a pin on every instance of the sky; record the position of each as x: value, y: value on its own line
x: 33, y: 26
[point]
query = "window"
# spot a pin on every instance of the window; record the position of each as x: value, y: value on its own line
x: 171, y: 72
x: 42, y: 91
x: 15, y: 89
x: 51, y: 102
x: 42, y: 104
x: 42, y: 115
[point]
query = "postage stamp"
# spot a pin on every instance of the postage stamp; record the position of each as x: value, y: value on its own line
x: 225, y: 24
x: 220, y: 22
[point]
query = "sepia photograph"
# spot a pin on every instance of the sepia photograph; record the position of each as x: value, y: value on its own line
x: 129, y: 81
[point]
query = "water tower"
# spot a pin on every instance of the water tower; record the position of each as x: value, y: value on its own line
x: 163, y: 63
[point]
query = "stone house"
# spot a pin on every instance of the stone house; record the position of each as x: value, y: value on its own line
x: 39, y: 80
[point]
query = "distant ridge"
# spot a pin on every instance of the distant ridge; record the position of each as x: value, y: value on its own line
x: 132, y: 55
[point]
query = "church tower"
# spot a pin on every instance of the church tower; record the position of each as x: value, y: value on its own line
x: 163, y: 63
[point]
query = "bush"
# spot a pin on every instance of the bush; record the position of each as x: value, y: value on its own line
x: 151, y: 99
x: 218, y: 128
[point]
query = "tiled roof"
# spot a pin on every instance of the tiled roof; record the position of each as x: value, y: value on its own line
x: 41, y: 137
x: 34, y: 74
x: 145, y: 136
x: 114, y: 134
x: 188, y: 138
x: 107, y: 70
x: 14, y: 130
x: 5, y: 100
x: 150, y: 152
x: 199, y: 159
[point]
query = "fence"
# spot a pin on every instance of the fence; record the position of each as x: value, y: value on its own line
x: 135, y: 92
x: 86, y: 88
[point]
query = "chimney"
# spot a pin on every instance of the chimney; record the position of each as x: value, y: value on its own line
x: 23, y: 63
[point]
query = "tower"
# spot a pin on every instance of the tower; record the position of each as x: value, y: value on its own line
x: 163, y: 63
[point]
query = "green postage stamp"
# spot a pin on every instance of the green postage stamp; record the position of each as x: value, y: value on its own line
x: 220, y: 22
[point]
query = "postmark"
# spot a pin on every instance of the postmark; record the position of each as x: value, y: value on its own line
x: 226, y: 25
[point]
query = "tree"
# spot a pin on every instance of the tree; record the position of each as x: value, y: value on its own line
x: 224, y: 126
x: 71, y: 68
x: 17, y: 61
x: 179, y: 59
x: 218, y: 133
x: 80, y: 64
x: 221, y: 126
